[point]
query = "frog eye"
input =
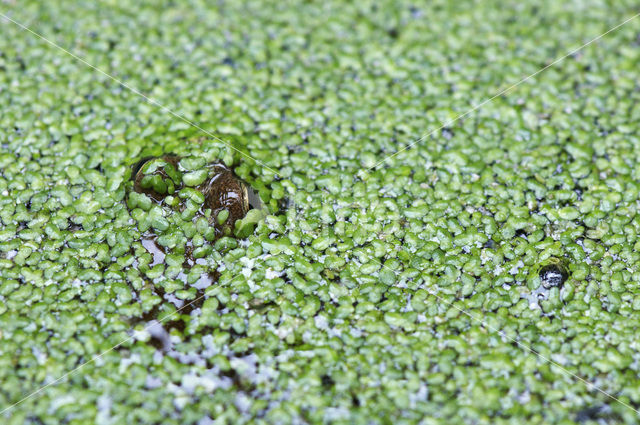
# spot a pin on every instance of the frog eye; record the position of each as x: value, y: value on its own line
x: 553, y: 275
x: 135, y: 168
x: 156, y: 176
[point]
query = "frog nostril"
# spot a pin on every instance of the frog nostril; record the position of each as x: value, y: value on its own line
x: 253, y: 199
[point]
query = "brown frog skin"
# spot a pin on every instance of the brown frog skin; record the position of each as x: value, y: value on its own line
x: 222, y: 190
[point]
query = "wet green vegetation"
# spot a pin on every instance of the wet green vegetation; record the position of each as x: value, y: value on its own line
x: 329, y: 292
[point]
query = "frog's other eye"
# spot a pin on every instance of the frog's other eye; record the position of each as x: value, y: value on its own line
x: 135, y: 168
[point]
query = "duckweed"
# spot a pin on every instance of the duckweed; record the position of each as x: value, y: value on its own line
x: 344, y: 304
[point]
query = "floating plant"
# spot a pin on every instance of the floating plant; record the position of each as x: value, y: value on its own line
x: 327, y: 312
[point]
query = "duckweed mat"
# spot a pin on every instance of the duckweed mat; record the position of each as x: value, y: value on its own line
x: 341, y: 300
